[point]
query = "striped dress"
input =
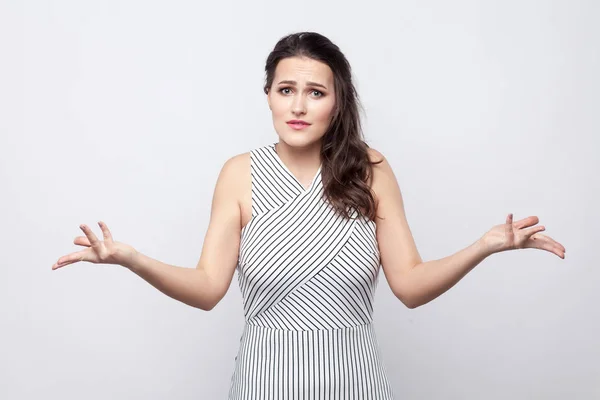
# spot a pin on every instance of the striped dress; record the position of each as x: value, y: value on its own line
x: 308, y: 279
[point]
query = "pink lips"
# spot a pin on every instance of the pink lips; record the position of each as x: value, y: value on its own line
x: 297, y: 124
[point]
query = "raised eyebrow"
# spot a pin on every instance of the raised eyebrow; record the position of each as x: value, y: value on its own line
x: 308, y: 83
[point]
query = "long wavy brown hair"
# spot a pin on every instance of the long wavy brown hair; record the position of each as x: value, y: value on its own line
x: 346, y: 168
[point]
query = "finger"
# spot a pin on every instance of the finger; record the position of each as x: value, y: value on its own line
x: 526, y: 222
x: 70, y: 259
x: 82, y: 241
x: 105, y: 231
x: 532, y: 231
x: 554, y: 242
x: 90, y: 235
x: 543, y: 242
x: 508, y: 227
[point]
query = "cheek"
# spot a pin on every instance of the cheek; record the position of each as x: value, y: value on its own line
x: 279, y: 108
x: 323, y: 111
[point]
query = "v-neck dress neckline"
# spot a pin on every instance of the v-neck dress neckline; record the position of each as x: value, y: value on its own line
x: 301, y: 186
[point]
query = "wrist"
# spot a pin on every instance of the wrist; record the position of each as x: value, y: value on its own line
x: 130, y: 258
x: 484, y: 247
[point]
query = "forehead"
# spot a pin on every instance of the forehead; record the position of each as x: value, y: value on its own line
x: 303, y: 69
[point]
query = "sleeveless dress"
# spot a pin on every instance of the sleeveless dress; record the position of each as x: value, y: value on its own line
x: 308, y: 279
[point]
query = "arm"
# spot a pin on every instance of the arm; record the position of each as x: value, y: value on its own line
x: 204, y: 286
x: 412, y: 281
x: 428, y: 280
x: 188, y: 285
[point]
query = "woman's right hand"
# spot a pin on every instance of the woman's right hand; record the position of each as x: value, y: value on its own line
x: 97, y: 251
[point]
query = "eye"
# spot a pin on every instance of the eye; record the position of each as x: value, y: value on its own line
x: 282, y: 90
x: 320, y: 94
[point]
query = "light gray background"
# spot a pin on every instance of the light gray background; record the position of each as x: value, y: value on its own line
x: 125, y: 111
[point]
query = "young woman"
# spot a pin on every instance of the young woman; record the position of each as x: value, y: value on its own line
x: 307, y: 222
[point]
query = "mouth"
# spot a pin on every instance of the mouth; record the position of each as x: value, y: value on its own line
x: 297, y: 124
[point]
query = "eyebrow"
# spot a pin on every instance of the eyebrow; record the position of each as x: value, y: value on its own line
x: 308, y: 83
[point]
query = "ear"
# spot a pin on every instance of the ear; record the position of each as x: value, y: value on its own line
x: 269, y: 99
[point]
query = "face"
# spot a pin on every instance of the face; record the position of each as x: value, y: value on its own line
x: 302, y: 90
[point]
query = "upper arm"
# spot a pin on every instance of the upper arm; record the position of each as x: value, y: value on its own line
x: 220, y: 249
x: 397, y: 248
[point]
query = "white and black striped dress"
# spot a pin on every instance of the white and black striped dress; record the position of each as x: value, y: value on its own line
x: 308, y: 279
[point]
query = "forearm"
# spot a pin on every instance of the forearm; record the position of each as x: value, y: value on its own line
x: 188, y: 285
x: 428, y: 280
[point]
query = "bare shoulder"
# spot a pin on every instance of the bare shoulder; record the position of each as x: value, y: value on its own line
x: 382, y: 171
x: 374, y: 155
x: 236, y: 174
x: 236, y: 165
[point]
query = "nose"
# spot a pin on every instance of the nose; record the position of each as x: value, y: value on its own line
x: 299, y: 106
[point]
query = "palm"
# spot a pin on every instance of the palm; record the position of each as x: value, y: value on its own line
x: 97, y: 251
x: 520, y: 235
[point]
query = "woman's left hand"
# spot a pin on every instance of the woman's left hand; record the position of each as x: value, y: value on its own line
x: 520, y: 234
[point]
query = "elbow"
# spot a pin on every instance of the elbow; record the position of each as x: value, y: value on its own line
x: 405, y: 297
x: 410, y: 304
x: 414, y: 302
x: 405, y: 291
x: 208, y: 295
x: 407, y: 301
x: 209, y: 302
x: 205, y: 306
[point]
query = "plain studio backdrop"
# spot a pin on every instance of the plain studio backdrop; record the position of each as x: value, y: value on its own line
x: 125, y: 111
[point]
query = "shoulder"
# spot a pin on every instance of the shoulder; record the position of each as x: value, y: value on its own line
x: 374, y: 155
x: 234, y: 175
x: 381, y: 170
x: 237, y: 163
x: 236, y: 167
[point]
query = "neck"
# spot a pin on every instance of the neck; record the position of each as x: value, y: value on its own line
x: 302, y: 160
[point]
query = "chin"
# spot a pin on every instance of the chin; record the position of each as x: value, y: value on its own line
x: 297, y: 141
x: 295, y: 138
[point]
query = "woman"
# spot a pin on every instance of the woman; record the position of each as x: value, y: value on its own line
x: 306, y: 222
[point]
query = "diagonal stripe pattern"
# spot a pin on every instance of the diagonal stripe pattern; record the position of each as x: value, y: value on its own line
x: 308, y: 278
